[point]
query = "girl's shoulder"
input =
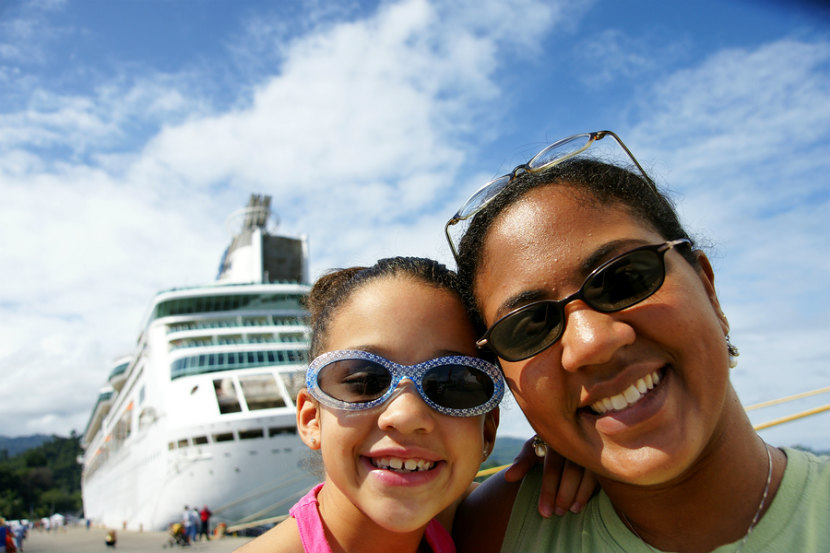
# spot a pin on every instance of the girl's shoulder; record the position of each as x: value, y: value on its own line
x: 282, y: 538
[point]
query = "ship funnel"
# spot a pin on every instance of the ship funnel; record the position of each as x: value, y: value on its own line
x: 256, y: 253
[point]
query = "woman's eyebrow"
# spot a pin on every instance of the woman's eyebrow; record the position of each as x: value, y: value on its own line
x: 520, y: 299
x: 609, y: 250
x: 594, y: 260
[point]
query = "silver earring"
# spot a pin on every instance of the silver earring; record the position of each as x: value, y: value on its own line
x: 733, y: 353
x: 539, y: 446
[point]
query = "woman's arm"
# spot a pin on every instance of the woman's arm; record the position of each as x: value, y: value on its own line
x: 566, y: 486
x: 481, y: 519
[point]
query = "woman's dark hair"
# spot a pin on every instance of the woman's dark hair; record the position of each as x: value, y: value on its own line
x: 333, y: 289
x: 595, y: 182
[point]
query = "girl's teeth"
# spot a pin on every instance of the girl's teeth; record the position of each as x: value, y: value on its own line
x: 631, y: 395
x: 395, y: 463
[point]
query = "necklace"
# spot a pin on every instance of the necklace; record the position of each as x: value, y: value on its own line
x: 752, y: 523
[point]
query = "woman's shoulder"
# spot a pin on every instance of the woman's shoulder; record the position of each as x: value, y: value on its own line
x: 481, y: 519
x: 282, y: 538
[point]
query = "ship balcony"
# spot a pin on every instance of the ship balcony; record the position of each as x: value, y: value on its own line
x: 231, y: 338
x: 118, y: 374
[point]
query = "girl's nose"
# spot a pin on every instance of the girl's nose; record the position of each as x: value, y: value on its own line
x: 591, y: 337
x: 406, y: 411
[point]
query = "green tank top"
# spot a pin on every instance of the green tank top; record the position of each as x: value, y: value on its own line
x: 798, y: 518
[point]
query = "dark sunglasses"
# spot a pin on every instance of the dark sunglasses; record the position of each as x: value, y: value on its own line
x: 355, y: 380
x: 617, y: 284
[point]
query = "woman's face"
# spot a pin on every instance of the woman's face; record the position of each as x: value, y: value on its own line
x: 543, y: 247
x: 407, y: 322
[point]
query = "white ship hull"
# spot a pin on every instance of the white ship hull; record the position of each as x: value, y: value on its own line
x: 203, y: 412
x: 147, y: 486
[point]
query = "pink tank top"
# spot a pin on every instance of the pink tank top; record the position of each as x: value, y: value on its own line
x: 314, y: 538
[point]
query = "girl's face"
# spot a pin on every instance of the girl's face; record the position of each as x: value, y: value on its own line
x: 543, y: 247
x: 407, y: 322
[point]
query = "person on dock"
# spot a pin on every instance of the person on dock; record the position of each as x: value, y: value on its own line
x: 4, y: 534
x: 187, y: 523
x: 195, y: 522
x: 204, y: 518
x: 19, y: 535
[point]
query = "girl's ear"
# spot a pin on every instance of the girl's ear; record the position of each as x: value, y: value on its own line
x: 491, y: 424
x: 308, y: 419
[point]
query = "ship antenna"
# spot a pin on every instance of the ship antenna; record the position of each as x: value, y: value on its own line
x: 255, y: 215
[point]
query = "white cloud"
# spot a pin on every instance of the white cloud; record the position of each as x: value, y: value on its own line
x: 358, y: 130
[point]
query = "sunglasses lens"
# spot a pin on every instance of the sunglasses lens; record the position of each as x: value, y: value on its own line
x: 354, y: 380
x: 457, y: 386
x: 626, y: 281
x: 527, y: 331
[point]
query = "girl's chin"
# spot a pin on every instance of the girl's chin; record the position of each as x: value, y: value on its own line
x: 399, y: 519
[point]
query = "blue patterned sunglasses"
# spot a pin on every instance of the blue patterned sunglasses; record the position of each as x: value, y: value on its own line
x: 355, y: 380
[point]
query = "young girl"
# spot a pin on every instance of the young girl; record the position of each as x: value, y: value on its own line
x: 400, y: 406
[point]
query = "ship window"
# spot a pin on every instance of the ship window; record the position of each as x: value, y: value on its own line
x: 182, y: 306
x: 276, y: 430
x: 251, y: 434
x: 171, y: 446
x: 224, y: 437
x: 294, y: 381
x: 199, y: 440
x: 226, y: 396
x: 216, y: 362
x: 183, y: 443
x: 260, y: 391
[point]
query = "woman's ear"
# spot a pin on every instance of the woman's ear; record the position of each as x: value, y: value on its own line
x: 707, y: 276
x: 308, y: 419
x: 491, y: 424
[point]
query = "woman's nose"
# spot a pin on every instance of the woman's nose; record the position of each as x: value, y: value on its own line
x: 406, y: 411
x: 591, y: 337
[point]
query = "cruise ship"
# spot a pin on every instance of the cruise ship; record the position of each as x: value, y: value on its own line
x: 202, y: 412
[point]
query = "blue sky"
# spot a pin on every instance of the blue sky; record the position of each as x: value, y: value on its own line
x: 129, y: 130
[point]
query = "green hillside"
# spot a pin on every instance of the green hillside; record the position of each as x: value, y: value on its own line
x: 42, y: 480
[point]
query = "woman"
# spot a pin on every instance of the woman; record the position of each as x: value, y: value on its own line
x: 628, y: 375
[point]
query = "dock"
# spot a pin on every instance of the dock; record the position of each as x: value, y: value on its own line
x: 80, y: 540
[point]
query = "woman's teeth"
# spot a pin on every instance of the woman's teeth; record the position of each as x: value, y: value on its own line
x: 629, y: 396
x: 402, y: 465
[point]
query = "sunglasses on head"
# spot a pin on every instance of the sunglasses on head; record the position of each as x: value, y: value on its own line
x: 552, y: 155
x: 617, y: 284
x: 355, y: 380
